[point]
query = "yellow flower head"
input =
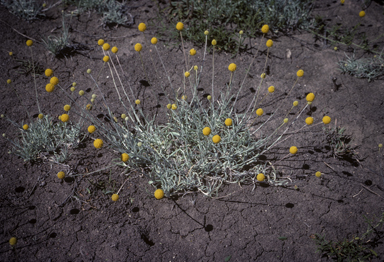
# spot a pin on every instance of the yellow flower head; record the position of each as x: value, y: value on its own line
x: 206, y: 32
x: 228, y: 122
x: 216, y: 139
x: 106, y: 58
x: 88, y: 107
x: 12, y: 241
x: 342, y: 1
x: 137, y: 102
x: 174, y: 107
x: 263, y: 75
x: 40, y: 116
x: 123, y: 116
x: 318, y: 174
x: 61, y: 175
x: 89, y: 71
x: 269, y: 43
x: 106, y: 47
x: 169, y: 106
x: 100, y: 42
x: 154, y: 40
x: 259, y: 111
x: 138, y: 47
x: 300, y: 73
x: 309, y: 121
x: 380, y: 145
x: 326, y: 120
x: 159, y: 194
x: 241, y: 32
x: 9, y: 81
x: 10, y: 53
x: 310, y: 97
x: 81, y: 92
x: 232, y: 67
x: 142, y: 27
x: 187, y: 74
x: 184, y: 97
x: 124, y: 157
x: 209, y: 97
x: 295, y: 103
x: 192, y: 52
x: 195, y: 67
x: 91, y: 129
x: 265, y: 29
x: 293, y: 150
x: 54, y: 80
x: 67, y: 108
x: 114, y: 49
x: 362, y: 14
x: 64, y: 117
x: 271, y: 89
x: 179, y: 26
x: 29, y: 43
x: 214, y: 42
x: 285, y: 120
x: 206, y: 131
x: 48, y: 72
x: 98, y: 143
x: 25, y: 127
x: 115, y: 197
x: 260, y: 177
x: 49, y: 88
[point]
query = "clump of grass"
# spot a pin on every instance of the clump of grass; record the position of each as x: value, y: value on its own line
x: 338, y: 141
x: 25, y: 9
x: 356, y: 249
x: 218, y: 16
x: 57, y: 45
x: 369, y: 68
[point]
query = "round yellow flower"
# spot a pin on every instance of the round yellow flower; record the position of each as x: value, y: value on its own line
x: 174, y: 107
x: 271, y: 89
x: 106, y: 47
x: 326, y: 120
x: 91, y: 129
x: 25, y: 127
x: 81, y: 92
x: 293, y: 150
x: 318, y: 174
x: 124, y: 157
x: 169, y: 106
x: 228, y: 122
x: 115, y: 197
x: 100, y: 42
x: 9, y: 81
x: 184, y: 97
x: 106, y: 58
x: 380, y: 145
x: 206, y: 131
x: 88, y: 107
x: 54, y: 80
x: 342, y: 1
x: 12, y: 241
x: 154, y: 40
x: 216, y: 139
x: 209, y: 97
x: 259, y: 111
x: 362, y: 14
x: 263, y: 75
x: 192, y: 52
x: 295, y: 103
x: 187, y: 74
x: 265, y: 29
x: 61, y: 175
x: 98, y: 143
x: 195, y: 67
x: 142, y: 27
x: 74, y: 84
x: 179, y: 26
x: 29, y: 43
x: 49, y: 88
x: 48, y: 72
x: 159, y: 194
x: 310, y: 97
x: 89, y: 71
x: 232, y: 67
x: 285, y: 120
x: 241, y: 32
x: 260, y: 177
x: 64, y: 117
x: 40, y: 116
x: 206, y: 32
x: 114, y: 49
x: 214, y: 42
x: 123, y: 116
x: 138, y: 47
x: 269, y: 43
x: 73, y: 88
x: 10, y: 53
x: 300, y: 73
x: 137, y: 102
x: 309, y: 121
x: 67, y: 108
